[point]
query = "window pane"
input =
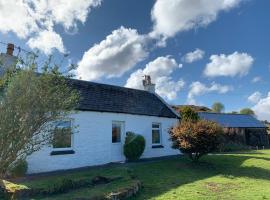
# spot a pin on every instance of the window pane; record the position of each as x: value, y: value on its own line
x: 155, y: 126
x: 62, y: 138
x: 62, y: 134
x: 116, y: 133
x: 155, y: 136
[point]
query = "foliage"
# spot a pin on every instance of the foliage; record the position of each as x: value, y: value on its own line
x: 29, y: 103
x: 196, y: 138
x: 134, y: 146
x: 218, y: 107
x: 193, y: 107
x: 19, y: 169
x: 188, y: 114
x: 247, y: 111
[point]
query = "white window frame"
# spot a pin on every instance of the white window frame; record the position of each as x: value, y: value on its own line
x: 122, y: 124
x: 72, y: 137
x: 160, y: 133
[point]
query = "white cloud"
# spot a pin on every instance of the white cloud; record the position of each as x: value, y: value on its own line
x: 47, y: 40
x: 112, y: 57
x: 173, y: 16
x: 191, y: 57
x: 255, y: 97
x: 197, y: 89
x: 30, y: 18
x: 15, y: 16
x: 160, y: 71
x: 262, y: 108
x: 68, y: 12
x: 229, y: 65
x: 256, y: 79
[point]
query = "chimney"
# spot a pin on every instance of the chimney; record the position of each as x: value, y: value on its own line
x: 7, y: 60
x: 10, y: 49
x: 148, y: 85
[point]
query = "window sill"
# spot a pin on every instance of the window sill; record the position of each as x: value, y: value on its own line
x: 62, y: 152
x: 157, y: 146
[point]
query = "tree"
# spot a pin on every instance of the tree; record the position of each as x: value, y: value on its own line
x: 188, y: 114
x: 247, y: 111
x: 29, y: 105
x: 218, y: 107
x: 196, y: 138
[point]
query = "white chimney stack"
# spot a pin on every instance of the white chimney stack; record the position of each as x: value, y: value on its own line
x: 7, y: 60
x: 148, y: 85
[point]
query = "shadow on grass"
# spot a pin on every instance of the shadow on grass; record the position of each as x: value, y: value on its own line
x: 161, y: 177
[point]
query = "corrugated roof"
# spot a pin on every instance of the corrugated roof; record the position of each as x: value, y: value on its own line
x: 109, y: 98
x: 233, y: 120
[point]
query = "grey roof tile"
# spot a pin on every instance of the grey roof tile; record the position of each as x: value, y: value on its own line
x: 115, y: 99
x: 233, y: 120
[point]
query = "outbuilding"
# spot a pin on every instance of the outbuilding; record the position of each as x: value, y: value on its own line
x: 240, y: 128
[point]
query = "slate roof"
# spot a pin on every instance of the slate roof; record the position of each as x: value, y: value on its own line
x: 233, y: 120
x: 115, y: 99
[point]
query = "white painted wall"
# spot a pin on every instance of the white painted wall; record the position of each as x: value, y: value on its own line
x: 93, y: 141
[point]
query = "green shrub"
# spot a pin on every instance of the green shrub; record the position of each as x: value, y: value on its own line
x: 134, y: 146
x: 188, y: 114
x: 19, y: 169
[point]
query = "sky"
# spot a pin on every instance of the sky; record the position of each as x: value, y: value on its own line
x: 196, y: 51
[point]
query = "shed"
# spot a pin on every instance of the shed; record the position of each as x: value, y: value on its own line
x: 241, y: 128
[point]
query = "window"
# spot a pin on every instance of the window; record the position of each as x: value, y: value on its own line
x: 62, y: 135
x: 116, y: 132
x: 156, y: 134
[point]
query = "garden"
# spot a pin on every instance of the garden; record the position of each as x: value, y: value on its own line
x: 243, y: 175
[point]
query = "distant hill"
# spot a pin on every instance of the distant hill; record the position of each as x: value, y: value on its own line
x: 195, y: 108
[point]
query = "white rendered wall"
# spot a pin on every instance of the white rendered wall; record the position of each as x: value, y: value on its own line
x: 92, y: 141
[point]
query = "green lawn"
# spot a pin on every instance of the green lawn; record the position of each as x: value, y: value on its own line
x: 228, y: 176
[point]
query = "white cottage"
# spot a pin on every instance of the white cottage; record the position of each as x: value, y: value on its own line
x: 105, y: 114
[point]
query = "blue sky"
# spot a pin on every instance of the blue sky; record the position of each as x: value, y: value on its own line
x: 154, y: 37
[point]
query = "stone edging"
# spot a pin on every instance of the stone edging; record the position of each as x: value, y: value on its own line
x: 126, y: 192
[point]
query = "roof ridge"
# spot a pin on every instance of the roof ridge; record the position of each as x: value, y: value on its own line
x: 105, y: 84
x: 224, y: 113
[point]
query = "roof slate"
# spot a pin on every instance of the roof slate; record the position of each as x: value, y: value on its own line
x: 233, y: 120
x: 108, y: 98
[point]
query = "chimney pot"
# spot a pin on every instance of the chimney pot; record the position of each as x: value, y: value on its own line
x: 10, y: 49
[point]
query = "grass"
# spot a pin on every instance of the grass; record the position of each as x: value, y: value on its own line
x: 226, y: 176
x: 91, y: 192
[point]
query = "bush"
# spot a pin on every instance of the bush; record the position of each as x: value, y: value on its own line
x: 134, y: 146
x: 19, y: 169
x: 196, y: 138
x: 188, y: 114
